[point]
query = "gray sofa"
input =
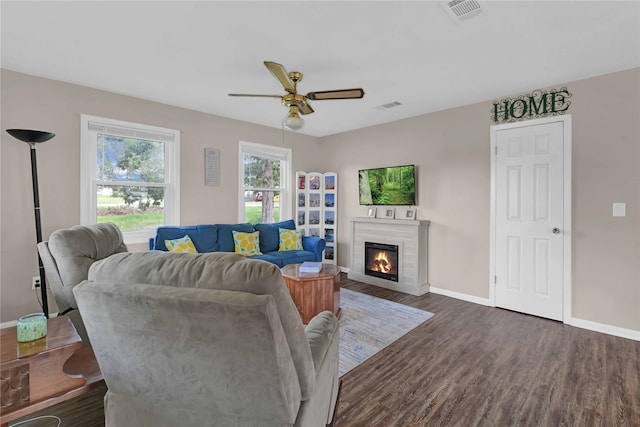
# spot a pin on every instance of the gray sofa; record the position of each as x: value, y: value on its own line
x: 206, y: 340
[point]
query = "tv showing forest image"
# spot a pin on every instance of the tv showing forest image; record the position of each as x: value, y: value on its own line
x: 387, y: 186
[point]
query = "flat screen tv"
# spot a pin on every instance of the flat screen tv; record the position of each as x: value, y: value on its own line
x: 387, y: 186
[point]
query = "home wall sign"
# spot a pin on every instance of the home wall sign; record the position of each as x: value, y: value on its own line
x: 532, y: 105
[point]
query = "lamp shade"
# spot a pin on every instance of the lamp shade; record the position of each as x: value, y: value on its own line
x: 27, y: 135
x: 293, y: 121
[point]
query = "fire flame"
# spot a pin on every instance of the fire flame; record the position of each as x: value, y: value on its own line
x: 381, y: 263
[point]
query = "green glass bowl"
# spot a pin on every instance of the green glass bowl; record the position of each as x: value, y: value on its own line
x: 32, y: 327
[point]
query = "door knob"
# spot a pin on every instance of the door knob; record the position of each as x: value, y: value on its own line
x: 555, y: 231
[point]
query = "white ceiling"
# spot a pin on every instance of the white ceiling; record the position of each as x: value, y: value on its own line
x: 192, y: 54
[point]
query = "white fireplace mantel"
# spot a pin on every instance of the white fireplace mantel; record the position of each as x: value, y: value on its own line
x: 411, y: 237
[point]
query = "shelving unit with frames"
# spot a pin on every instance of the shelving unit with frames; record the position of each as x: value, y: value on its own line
x: 330, y: 216
x: 317, y: 207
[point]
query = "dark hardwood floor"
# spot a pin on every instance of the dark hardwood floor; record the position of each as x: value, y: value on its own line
x: 472, y: 365
x: 83, y: 411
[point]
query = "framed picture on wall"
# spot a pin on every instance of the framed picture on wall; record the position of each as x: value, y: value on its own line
x: 329, y: 200
x: 314, y: 217
x: 329, y: 235
x: 328, y: 252
x: 314, y: 200
x: 330, y: 182
x: 329, y: 218
x: 314, y: 182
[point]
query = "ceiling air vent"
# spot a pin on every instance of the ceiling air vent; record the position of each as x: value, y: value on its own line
x: 389, y: 105
x: 460, y: 10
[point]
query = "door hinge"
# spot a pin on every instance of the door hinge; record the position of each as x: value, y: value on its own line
x: 496, y: 150
x: 495, y: 280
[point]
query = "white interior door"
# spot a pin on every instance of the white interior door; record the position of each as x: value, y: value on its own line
x: 529, y: 218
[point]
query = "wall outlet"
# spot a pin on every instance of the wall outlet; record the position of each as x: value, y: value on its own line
x: 35, y: 282
x: 619, y: 209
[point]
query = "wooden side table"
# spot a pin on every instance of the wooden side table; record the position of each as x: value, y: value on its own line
x: 38, y: 374
x: 313, y: 293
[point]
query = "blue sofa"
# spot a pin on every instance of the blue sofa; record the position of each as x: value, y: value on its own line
x: 219, y: 238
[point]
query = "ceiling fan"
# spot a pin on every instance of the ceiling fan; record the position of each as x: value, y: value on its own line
x: 299, y: 104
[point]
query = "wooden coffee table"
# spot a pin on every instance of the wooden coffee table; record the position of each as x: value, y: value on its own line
x: 313, y: 293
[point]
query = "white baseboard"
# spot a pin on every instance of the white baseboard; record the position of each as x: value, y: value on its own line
x: 344, y: 269
x: 578, y: 323
x: 605, y: 329
x: 461, y: 296
x: 8, y: 324
x: 15, y: 322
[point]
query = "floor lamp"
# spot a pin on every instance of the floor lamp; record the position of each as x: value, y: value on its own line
x: 32, y: 137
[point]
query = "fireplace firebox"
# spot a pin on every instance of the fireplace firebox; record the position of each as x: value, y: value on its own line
x: 381, y: 260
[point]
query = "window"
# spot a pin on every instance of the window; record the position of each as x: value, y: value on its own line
x: 265, y: 189
x: 129, y: 176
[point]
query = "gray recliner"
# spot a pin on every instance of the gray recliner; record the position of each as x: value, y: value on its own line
x: 67, y: 256
x: 206, y: 340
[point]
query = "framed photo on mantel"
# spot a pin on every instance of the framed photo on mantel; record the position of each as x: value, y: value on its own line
x: 371, y: 212
x: 386, y: 212
x: 410, y: 214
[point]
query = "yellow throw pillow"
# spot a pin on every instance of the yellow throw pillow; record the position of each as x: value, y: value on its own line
x: 247, y: 244
x: 183, y: 244
x: 290, y: 240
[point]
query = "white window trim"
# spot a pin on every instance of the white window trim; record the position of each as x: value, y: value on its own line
x: 88, y: 171
x: 275, y: 153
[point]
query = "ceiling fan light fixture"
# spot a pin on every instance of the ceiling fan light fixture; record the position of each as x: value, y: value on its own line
x: 293, y: 121
x: 297, y: 103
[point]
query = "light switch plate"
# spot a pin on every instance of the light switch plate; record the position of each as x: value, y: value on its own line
x: 619, y: 209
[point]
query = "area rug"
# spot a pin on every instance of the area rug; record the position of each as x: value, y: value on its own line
x: 368, y: 324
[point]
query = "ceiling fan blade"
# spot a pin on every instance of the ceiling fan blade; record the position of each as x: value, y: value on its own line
x: 337, y: 94
x: 281, y: 74
x: 306, y: 109
x: 255, y: 95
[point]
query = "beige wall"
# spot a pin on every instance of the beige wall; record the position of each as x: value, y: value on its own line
x: 36, y: 103
x: 451, y: 150
x: 606, y: 169
x: 453, y: 180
